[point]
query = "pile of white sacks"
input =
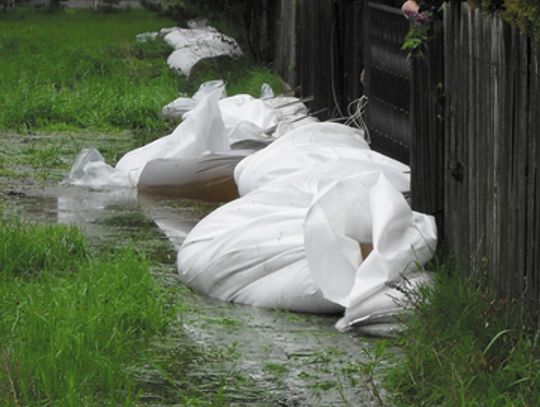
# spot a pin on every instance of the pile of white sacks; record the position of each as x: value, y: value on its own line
x: 216, y: 133
x: 197, y: 42
x: 321, y: 224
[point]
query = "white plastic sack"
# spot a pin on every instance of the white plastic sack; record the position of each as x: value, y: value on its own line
x: 193, y: 45
x: 250, y: 251
x: 146, y: 37
x: 364, y: 208
x: 202, y: 132
x: 253, y: 250
x: 90, y: 170
x: 246, y: 108
x: 308, y: 147
x: 178, y: 107
x: 209, y: 177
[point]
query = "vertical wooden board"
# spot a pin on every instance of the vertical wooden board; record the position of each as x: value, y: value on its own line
x: 462, y: 166
x: 472, y: 138
x: 427, y: 132
x: 500, y: 133
x: 453, y: 193
x: 315, y: 63
x: 483, y: 159
x: 533, y: 212
x: 506, y: 174
x: 450, y: 34
x: 285, y: 60
x: 509, y: 193
x: 352, y: 44
x: 536, y: 193
x: 497, y: 97
x: 488, y: 157
x: 520, y: 173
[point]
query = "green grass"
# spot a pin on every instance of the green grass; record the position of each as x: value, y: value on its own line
x: 71, y: 325
x: 463, y: 347
x: 82, y: 69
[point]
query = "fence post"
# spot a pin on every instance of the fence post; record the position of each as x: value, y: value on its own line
x: 427, y: 128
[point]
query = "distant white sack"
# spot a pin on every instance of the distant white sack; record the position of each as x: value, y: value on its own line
x: 192, y: 45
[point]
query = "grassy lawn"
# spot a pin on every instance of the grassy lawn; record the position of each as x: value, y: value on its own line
x: 70, y: 323
x: 83, y: 69
x: 78, y: 327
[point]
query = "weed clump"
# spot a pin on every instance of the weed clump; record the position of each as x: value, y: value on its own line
x: 71, y: 325
x: 463, y: 346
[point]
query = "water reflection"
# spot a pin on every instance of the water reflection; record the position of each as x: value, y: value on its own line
x: 296, y: 359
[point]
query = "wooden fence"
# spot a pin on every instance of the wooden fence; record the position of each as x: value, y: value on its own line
x: 321, y: 48
x: 427, y: 128
x: 492, y: 152
x: 316, y: 46
x: 474, y: 118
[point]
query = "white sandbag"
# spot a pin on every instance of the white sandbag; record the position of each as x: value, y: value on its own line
x: 246, y: 108
x: 208, y: 178
x: 266, y: 91
x: 199, y: 22
x: 146, y: 37
x: 194, y: 45
x: 308, y: 147
x: 365, y: 208
x: 292, y: 123
x: 178, y: 107
x: 90, y: 170
x: 252, y: 251
x: 288, y: 106
x: 203, y: 131
x: 245, y: 117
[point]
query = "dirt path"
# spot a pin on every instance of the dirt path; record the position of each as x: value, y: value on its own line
x: 260, y: 357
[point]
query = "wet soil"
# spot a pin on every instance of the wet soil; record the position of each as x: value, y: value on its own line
x: 250, y: 356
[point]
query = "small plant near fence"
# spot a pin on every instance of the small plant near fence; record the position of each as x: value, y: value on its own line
x: 524, y: 14
x: 464, y: 346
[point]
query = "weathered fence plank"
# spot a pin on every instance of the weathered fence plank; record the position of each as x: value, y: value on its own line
x: 286, y: 37
x: 491, y: 153
x: 427, y: 127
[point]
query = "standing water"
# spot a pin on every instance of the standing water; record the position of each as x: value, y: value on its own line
x: 256, y: 356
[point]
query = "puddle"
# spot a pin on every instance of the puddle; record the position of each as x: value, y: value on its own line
x: 281, y: 358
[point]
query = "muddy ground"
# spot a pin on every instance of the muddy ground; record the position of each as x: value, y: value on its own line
x: 255, y: 356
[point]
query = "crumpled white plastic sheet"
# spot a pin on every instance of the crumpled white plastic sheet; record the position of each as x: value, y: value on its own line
x: 178, y: 107
x: 310, y: 146
x: 146, y: 37
x: 294, y: 240
x: 208, y: 177
x: 366, y: 208
x: 216, y: 130
x: 195, y: 44
x: 202, y: 132
x: 267, y: 114
x: 90, y: 170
